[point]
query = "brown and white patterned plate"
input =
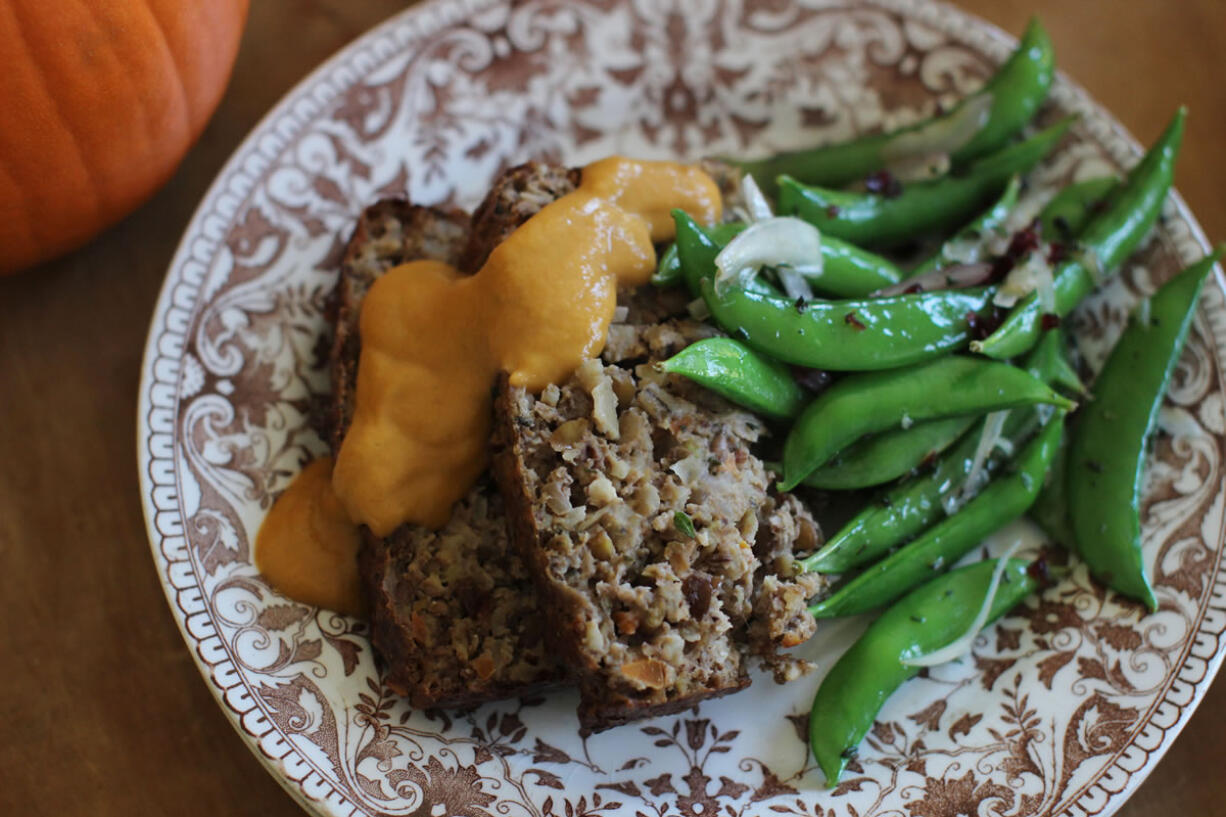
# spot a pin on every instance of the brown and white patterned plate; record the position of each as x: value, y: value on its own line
x: 1065, y: 705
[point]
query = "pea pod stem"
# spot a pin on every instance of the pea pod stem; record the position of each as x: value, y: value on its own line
x: 889, y: 455
x: 1108, y: 239
x: 1106, y: 457
x: 921, y: 208
x: 1003, y: 500
x: 870, y: 402
x: 930, y: 617
x: 1014, y: 94
x: 738, y: 373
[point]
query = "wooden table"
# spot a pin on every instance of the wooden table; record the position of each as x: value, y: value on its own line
x: 102, y: 710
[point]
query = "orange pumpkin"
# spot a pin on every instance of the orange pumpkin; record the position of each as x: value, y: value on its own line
x: 99, y: 101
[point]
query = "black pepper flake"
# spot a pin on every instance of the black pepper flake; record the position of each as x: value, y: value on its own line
x: 1095, y: 466
x: 815, y: 380
x: 1062, y: 226
x: 883, y: 183
x: 832, y: 211
x: 852, y: 320
x: 918, y: 619
x: 801, y: 303
x: 1049, y: 321
x: 913, y: 289
x: 949, y: 592
x: 850, y: 753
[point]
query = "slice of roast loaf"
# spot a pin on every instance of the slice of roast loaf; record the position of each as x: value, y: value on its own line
x: 663, y: 558
x: 453, y: 612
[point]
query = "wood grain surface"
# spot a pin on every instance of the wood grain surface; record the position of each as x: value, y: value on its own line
x: 102, y: 710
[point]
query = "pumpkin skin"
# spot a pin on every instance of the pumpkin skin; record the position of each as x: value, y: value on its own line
x: 100, y: 100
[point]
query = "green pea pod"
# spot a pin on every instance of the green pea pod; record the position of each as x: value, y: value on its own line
x: 910, y: 508
x: 1050, y: 510
x: 927, y: 619
x: 847, y: 270
x: 668, y: 271
x: 973, y: 236
x: 889, y: 455
x: 1003, y: 500
x: 1106, y: 458
x: 852, y: 335
x: 1070, y: 210
x: 869, y: 402
x: 934, y: 206
x: 733, y: 370
x: 1108, y: 239
x: 1016, y: 91
x: 1049, y: 362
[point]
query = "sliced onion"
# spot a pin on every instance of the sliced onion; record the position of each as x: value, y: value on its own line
x: 920, y: 168
x: 959, y: 276
x: 1032, y: 275
x: 779, y: 241
x: 698, y: 309
x: 1144, y: 312
x: 794, y: 284
x: 1093, y: 264
x: 756, y: 205
x: 963, y: 643
x: 989, y: 439
x: 944, y: 134
x: 620, y: 313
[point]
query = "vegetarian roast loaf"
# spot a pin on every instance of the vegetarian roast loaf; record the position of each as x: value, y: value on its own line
x: 663, y: 558
x: 603, y: 477
x: 453, y: 611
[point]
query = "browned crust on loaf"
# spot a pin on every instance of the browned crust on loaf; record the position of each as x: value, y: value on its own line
x: 400, y: 654
x: 388, y: 233
x: 516, y: 195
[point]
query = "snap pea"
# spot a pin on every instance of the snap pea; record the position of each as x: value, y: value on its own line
x: 999, y: 503
x: 889, y: 455
x: 668, y: 270
x: 1016, y: 91
x: 847, y: 270
x: 974, y: 235
x: 1070, y: 210
x: 1050, y: 510
x: 869, y: 402
x: 1108, y: 239
x: 910, y: 508
x: 851, y: 335
x: 1049, y: 362
x: 927, y: 619
x: 1106, y: 457
x: 933, y: 206
x: 733, y: 370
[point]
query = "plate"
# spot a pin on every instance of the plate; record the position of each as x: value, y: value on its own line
x: 1064, y: 706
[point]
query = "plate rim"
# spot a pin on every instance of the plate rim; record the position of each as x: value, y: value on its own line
x: 287, y: 120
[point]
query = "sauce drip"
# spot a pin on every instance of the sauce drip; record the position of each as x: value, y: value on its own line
x: 307, y: 547
x: 434, y: 340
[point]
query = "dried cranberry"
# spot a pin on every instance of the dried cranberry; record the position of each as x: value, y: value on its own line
x: 1049, y: 321
x: 883, y: 183
x: 852, y: 320
x: 832, y: 211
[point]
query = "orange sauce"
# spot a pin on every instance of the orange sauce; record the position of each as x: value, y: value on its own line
x: 307, y: 547
x: 433, y: 342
